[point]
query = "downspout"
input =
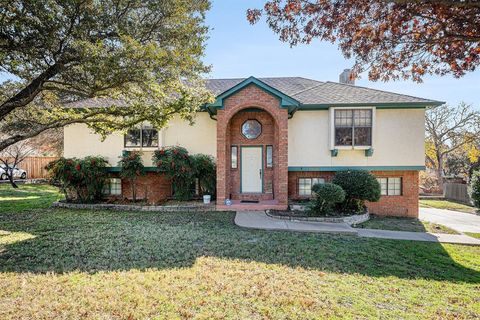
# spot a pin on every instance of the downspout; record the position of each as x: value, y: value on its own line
x: 210, y: 113
x: 290, y: 115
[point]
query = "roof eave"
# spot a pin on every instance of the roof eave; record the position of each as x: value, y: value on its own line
x: 285, y: 100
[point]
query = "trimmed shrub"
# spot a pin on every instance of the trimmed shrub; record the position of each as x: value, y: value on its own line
x: 475, y: 188
x: 326, y: 195
x: 359, y: 186
x: 79, y: 179
x: 132, y: 168
x: 206, y: 173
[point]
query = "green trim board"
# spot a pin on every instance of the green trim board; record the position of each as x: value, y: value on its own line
x: 345, y: 168
x: 241, y: 166
x: 118, y: 169
x: 406, y: 105
x: 285, y: 100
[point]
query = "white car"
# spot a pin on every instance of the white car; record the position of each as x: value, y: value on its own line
x: 17, y: 173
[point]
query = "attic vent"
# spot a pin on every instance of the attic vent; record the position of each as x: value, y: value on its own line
x: 345, y: 77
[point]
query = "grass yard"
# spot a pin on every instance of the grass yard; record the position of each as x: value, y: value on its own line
x: 472, y: 234
x: 445, y: 204
x: 404, y: 224
x: 124, y: 265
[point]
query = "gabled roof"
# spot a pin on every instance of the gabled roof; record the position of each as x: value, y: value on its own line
x: 317, y: 94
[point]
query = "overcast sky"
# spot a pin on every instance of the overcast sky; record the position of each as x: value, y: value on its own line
x: 237, y: 49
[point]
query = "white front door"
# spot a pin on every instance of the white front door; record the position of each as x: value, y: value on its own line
x: 252, y: 169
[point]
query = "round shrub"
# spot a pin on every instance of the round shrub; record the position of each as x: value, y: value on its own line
x: 81, y: 180
x: 326, y: 195
x: 359, y: 186
x: 475, y: 188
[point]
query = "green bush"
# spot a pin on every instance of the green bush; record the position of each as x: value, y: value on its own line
x: 206, y: 172
x: 359, y: 186
x: 326, y: 195
x: 183, y: 169
x: 79, y: 179
x: 176, y: 163
x: 132, y: 167
x: 475, y: 188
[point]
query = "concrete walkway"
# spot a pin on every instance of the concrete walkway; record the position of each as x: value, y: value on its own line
x: 459, y: 221
x: 259, y: 220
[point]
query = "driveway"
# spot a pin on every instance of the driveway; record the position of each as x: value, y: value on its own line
x: 460, y: 221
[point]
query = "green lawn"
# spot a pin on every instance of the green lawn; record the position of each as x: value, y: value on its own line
x: 472, y: 234
x: 125, y: 265
x: 404, y: 224
x: 27, y: 196
x: 445, y: 204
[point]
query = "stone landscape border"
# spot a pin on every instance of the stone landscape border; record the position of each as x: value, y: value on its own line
x: 128, y: 207
x: 351, y: 220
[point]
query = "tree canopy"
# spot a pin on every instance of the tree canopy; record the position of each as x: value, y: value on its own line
x: 450, y: 130
x: 390, y: 39
x: 137, y: 60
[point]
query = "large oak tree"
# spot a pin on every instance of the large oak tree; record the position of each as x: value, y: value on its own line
x: 389, y: 39
x: 133, y: 60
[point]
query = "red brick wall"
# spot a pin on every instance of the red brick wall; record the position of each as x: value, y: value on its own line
x: 154, y: 187
x: 405, y: 205
x: 265, y: 138
x: 252, y: 97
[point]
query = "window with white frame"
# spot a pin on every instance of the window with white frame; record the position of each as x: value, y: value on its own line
x: 145, y: 136
x: 390, y: 186
x: 233, y: 157
x: 113, y: 187
x: 353, y: 127
x: 269, y: 156
x: 305, y: 185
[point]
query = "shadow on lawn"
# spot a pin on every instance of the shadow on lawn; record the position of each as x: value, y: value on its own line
x: 67, y: 240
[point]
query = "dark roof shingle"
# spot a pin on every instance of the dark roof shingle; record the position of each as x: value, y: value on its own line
x: 308, y: 91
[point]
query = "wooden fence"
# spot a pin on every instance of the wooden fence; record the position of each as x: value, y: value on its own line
x: 457, y: 192
x: 35, y: 166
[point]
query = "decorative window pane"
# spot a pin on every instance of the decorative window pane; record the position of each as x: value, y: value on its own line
x: 133, y: 138
x: 144, y: 137
x: 383, y: 186
x: 251, y: 129
x: 353, y: 127
x: 305, y: 185
x: 269, y: 156
x: 363, y: 136
x: 317, y: 181
x: 390, y: 186
x: 394, y: 186
x: 234, y: 153
x: 149, y: 138
x: 113, y: 187
x: 343, y: 136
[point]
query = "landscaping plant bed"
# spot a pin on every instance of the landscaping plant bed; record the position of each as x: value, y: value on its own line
x: 299, y: 215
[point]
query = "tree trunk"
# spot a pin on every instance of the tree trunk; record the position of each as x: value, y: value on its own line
x: 134, y: 191
x: 439, y: 171
x: 12, y: 182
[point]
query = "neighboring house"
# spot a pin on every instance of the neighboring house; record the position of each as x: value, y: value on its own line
x: 273, y: 138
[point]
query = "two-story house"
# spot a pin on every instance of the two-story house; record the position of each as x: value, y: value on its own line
x: 273, y: 138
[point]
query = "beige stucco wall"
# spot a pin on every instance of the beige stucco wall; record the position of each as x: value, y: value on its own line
x: 80, y: 141
x: 398, y: 140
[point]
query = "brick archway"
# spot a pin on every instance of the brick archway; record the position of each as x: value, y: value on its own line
x: 234, y: 108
